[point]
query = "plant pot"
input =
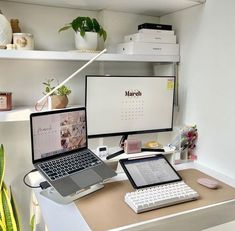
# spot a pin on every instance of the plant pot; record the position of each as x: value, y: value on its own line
x: 88, y: 42
x: 57, y: 101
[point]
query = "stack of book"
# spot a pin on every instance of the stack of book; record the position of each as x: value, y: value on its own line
x: 151, y: 39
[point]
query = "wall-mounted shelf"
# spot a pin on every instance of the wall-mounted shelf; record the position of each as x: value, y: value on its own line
x: 16, y: 114
x: 21, y: 113
x: 78, y: 56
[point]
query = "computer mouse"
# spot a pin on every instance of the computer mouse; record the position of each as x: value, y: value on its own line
x: 209, y: 183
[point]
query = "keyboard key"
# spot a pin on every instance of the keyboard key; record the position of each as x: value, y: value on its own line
x: 64, y: 166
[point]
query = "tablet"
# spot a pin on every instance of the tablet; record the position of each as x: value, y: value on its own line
x: 149, y: 171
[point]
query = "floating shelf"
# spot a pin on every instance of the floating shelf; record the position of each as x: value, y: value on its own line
x: 78, y: 56
x: 16, y: 114
x: 21, y: 113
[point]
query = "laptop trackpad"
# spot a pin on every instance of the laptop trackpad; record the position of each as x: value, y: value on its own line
x: 86, y: 178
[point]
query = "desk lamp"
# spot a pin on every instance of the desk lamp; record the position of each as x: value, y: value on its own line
x: 66, y: 80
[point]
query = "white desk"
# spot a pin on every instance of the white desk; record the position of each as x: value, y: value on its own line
x: 67, y: 217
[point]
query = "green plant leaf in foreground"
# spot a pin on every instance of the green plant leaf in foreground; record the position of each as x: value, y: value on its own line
x: 32, y: 223
x: 2, y: 165
x: 15, y: 212
x: 2, y: 227
x: 2, y: 215
x: 9, y: 216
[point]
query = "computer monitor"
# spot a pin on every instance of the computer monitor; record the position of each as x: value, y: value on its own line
x: 125, y: 105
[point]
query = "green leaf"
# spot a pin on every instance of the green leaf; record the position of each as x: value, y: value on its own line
x: 66, y: 27
x: 32, y: 223
x: 2, y: 165
x: 2, y: 215
x: 2, y: 227
x: 82, y: 32
x: 9, y: 216
x: 96, y: 25
x: 15, y: 212
x: 89, y: 24
x: 103, y: 34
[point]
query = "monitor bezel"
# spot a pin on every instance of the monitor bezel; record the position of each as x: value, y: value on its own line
x: 131, y: 132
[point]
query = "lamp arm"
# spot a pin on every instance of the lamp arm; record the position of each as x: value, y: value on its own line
x: 71, y: 76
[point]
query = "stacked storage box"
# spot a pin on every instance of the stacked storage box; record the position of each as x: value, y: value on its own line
x: 151, y: 39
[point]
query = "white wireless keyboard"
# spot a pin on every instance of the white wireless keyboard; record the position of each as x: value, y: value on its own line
x: 160, y: 196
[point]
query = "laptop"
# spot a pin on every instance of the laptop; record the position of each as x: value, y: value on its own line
x: 60, y: 151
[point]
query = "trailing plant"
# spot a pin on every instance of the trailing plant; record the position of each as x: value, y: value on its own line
x: 63, y: 90
x: 9, y: 219
x: 85, y: 24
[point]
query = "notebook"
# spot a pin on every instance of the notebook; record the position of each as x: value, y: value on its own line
x: 60, y: 151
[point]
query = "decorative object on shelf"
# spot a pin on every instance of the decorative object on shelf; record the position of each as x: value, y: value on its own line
x: 86, y: 32
x: 59, y: 98
x: 5, y: 101
x: 9, y: 218
x: 15, y: 26
x: 5, y: 31
x: 11, y: 47
x: 23, y: 41
x: 186, y: 140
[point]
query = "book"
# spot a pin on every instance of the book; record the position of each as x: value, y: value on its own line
x: 154, y: 26
x: 151, y: 38
x: 150, y: 31
x: 148, y: 48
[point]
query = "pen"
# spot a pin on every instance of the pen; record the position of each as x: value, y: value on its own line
x: 114, y: 154
x: 152, y: 150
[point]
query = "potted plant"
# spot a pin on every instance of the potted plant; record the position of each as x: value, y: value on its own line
x: 59, y: 98
x: 86, y: 31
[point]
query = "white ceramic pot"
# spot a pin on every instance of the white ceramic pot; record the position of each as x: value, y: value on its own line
x: 5, y: 30
x: 88, y: 42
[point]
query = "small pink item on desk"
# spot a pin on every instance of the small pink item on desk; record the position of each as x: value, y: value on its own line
x: 209, y: 183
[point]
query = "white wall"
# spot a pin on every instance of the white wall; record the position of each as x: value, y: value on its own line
x: 206, y: 35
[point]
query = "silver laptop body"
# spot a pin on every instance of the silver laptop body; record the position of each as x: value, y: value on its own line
x: 60, y: 151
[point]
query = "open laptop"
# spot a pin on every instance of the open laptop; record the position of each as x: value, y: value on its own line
x: 60, y: 151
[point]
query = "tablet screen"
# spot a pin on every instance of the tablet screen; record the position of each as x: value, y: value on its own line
x: 149, y: 171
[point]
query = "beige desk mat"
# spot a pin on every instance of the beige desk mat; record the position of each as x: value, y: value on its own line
x: 106, y: 209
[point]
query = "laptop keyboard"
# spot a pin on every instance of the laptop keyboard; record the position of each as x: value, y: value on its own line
x: 68, y: 165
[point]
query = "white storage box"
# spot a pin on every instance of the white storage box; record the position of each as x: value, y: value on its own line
x: 148, y: 48
x: 151, y: 31
x: 150, y: 38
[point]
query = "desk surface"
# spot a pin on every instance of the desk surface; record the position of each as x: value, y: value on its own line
x: 109, y: 202
x: 68, y: 217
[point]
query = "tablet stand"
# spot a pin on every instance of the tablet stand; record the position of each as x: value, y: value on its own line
x: 53, y: 195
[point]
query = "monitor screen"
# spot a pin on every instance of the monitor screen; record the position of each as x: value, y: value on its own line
x: 124, y: 105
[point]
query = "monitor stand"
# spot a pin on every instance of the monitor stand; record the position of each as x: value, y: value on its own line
x: 121, y: 144
x: 52, y: 194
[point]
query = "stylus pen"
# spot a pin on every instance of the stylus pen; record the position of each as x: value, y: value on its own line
x: 114, y: 154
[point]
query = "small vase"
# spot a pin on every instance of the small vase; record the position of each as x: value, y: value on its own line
x: 88, y: 42
x: 5, y: 30
x: 57, y: 101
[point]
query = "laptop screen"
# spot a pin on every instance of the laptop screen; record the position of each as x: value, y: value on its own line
x: 57, y: 132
